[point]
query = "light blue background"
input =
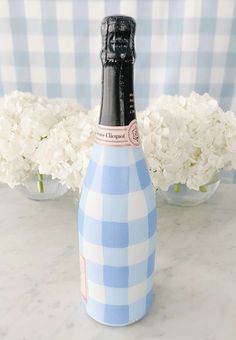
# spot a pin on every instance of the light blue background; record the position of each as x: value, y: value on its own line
x: 52, y: 47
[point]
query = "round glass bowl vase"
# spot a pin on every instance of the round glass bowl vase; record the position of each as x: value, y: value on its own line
x: 186, y: 197
x: 43, y: 190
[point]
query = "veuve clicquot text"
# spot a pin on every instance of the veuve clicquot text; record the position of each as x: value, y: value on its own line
x: 117, y: 211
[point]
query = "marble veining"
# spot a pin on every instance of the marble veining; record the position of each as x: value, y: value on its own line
x: 195, y: 280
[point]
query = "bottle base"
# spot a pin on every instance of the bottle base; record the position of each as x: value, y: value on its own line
x: 123, y: 324
x: 123, y: 321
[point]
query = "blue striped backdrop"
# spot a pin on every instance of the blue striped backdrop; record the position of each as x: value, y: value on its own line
x: 51, y: 47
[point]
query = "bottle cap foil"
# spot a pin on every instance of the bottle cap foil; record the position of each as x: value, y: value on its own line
x: 118, y: 39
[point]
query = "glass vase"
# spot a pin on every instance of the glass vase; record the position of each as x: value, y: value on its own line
x: 42, y: 188
x: 186, y: 197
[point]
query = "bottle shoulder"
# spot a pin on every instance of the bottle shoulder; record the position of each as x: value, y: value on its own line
x: 119, y: 175
x: 116, y: 156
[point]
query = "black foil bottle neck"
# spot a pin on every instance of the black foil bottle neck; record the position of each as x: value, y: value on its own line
x: 117, y: 107
x: 117, y: 56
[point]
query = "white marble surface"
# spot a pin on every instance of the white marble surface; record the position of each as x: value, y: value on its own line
x: 195, y: 283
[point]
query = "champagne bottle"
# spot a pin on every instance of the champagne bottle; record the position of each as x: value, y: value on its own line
x: 117, y: 211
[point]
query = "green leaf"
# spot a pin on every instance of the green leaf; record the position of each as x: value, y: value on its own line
x: 203, y: 188
x: 177, y: 187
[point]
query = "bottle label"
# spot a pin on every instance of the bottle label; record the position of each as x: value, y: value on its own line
x: 83, y: 278
x: 118, y: 135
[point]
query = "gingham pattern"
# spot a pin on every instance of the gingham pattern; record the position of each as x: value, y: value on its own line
x: 117, y: 231
x: 52, y: 48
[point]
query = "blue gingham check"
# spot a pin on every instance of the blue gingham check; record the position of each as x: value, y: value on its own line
x: 52, y: 48
x: 117, y: 232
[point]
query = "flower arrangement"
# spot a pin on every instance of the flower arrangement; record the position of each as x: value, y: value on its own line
x: 185, y: 140
x: 66, y: 151
x: 25, y: 120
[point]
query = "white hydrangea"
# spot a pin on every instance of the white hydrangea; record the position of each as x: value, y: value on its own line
x: 65, y: 153
x: 25, y: 119
x: 187, y: 140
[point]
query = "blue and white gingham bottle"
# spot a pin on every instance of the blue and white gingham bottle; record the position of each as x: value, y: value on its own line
x: 117, y: 211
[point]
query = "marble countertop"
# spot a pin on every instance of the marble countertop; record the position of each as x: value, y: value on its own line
x: 195, y: 283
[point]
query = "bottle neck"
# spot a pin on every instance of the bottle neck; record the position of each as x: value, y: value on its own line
x: 117, y: 107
